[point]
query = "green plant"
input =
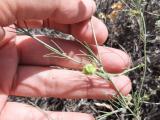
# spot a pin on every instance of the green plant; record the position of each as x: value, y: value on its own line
x: 94, y: 67
x: 122, y: 103
x: 134, y: 9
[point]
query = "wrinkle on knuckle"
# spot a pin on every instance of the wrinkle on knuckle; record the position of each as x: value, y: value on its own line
x: 75, y: 12
x: 48, y: 79
x: 7, y: 12
x: 14, y: 83
x: 3, y: 103
x: 89, y: 86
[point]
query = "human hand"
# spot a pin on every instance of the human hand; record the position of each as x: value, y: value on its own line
x: 24, y: 71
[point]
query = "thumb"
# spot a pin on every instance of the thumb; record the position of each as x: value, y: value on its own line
x: 2, y: 34
x: 6, y: 35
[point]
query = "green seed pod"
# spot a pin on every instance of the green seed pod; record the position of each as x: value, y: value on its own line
x: 89, y: 69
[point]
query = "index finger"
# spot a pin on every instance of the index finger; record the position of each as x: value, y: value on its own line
x: 62, y: 11
x: 82, y: 31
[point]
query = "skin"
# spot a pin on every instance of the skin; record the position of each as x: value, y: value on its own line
x: 25, y: 72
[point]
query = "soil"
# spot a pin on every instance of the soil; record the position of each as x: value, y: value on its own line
x: 123, y: 34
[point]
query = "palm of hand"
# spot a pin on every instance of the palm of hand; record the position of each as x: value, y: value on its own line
x: 11, y: 71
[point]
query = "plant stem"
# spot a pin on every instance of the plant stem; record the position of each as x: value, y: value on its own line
x: 104, y: 75
x: 132, y: 69
x: 143, y: 32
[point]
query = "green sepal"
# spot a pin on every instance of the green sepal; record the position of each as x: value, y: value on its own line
x: 89, y: 69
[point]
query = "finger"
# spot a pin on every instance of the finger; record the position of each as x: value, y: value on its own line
x: 6, y: 35
x: 3, y: 99
x: 82, y: 30
x: 2, y: 33
x: 7, y: 58
x: 113, y: 60
x: 61, y: 83
x: 62, y: 11
x: 27, y: 112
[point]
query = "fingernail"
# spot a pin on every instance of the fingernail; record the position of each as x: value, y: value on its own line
x: 2, y: 33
